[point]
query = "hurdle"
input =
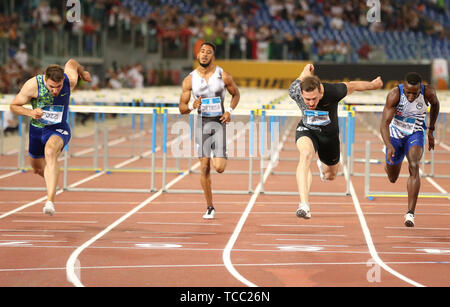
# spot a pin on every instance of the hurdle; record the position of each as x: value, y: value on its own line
x: 348, y: 135
x: 371, y: 194
x: 266, y: 114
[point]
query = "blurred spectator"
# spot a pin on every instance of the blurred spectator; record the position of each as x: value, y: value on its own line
x: 363, y: 51
x: 21, y: 57
x: 240, y: 25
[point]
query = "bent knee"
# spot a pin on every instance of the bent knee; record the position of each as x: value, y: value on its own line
x: 330, y: 176
x: 39, y: 171
x: 220, y: 169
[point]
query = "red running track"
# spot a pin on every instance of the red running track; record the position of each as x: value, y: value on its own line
x: 160, y: 239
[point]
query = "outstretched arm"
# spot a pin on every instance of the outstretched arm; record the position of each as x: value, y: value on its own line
x: 430, y: 96
x: 354, y: 86
x: 388, y: 113
x: 73, y: 69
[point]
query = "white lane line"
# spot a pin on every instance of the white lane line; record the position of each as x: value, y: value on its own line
x: 368, y: 237
x: 70, y: 265
x: 71, y: 262
x: 10, y: 174
x: 226, y: 255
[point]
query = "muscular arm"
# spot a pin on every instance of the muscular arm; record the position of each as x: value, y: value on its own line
x: 430, y: 96
x: 186, y: 88
x: 388, y: 113
x: 235, y: 96
x: 28, y: 91
x: 73, y: 69
x: 355, y: 86
x: 232, y: 89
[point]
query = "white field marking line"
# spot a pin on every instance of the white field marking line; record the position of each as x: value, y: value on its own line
x: 53, y: 221
x: 81, y: 202
x: 144, y: 237
x: 9, y: 174
x: 446, y: 248
x: 226, y: 255
x: 402, y: 204
x: 193, y: 203
x: 161, y: 223
x: 27, y: 235
x: 175, y: 232
x: 298, y: 234
x: 80, y: 182
x: 310, y: 245
x: 368, y: 237
x: 311, y: 240
x: 41, y: 230
x: 413, y: 242
x: 186, y: 249
x: 37, y: 241
x: 444, y: 146
x: 416, y: 228
x: 160, y: 242
x: 417, y: 237
x: 178, y: 266
x: 70, y: 264
x: 307, y: 226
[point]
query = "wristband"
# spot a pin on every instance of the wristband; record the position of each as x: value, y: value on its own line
x: 229, y: 110
x: 191, y: 105
x: 431, y: 129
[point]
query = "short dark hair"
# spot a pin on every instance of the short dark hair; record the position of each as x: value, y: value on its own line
x: 311, y: 83
x: 413, y: 78
x: 211, y: 44
x: 54, y: 72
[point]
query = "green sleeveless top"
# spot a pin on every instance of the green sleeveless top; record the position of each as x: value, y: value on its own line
x: 44, y: 98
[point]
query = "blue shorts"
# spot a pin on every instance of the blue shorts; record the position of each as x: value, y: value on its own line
x: 403, y: 145
x: 39, y: 137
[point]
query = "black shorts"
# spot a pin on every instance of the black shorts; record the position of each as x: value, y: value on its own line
x: 327, y: 146
x: 210, y: 135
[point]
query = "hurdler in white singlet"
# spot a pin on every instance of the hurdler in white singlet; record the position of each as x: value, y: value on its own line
x: 409, y: 116
x: 212, y: 92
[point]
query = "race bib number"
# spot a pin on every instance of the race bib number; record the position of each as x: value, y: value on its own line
x: 211, y: 107
x: 404, y: 124
x: 51, y: 115
x: 316, y: 118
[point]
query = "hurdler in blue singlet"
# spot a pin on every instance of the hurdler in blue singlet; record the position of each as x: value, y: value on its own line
x: 408, y: 125
x: 54, y: 119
